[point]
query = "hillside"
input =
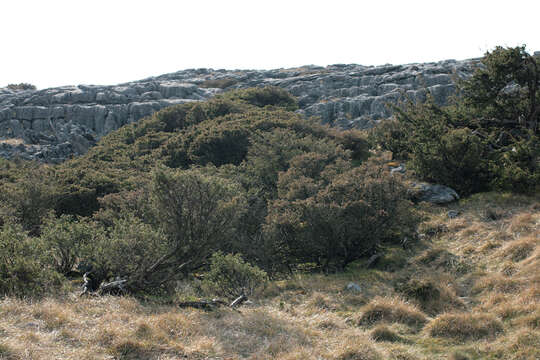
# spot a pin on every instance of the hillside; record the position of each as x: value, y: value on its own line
x: 51, y: 125
x: 236, y: 228
x: 469, y: 290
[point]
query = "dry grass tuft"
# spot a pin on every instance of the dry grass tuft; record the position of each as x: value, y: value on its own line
x: 6, y: 352
x: 508, y: 310
x: 430, y: 295
x: 465, y: 326
x: 524, y: 344
x: 129, y: 349
x: 498, y: 283
x: 144, y: 331
x: 384, y: 333
x: 494, y: 213
x: 391, y: 311
x: 54, y: 315
x: 402, y: 354
x: 519, y: 250
x: 440, y: 258
x: 532, y: 320
x: 524, y: 222
x: 458, y: 356
x: 320, y: 302
x: 357, y: 350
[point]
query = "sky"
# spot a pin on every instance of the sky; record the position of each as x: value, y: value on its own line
x: 68, y: 42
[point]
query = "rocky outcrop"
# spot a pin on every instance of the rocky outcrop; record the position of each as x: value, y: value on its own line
x: 54, y: 124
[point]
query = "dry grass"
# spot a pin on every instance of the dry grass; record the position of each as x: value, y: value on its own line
x: 519, y: 250
x: 465, y: 326
x: 391, y: 310
x: 12, y: 141
x: 353, y: 349
x: 478, y: 275
x: 458, y: 356
x: 384, y: 333
x: 431, y: 293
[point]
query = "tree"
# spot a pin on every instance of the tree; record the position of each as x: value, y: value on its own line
x: 487, y: 139
x: 23, y: 271
x: 332, y: 214
x: 505, y: 91
x: 66, y: 238
x: 198, y: 215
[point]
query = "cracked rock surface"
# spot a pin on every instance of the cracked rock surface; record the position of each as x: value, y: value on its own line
x: 54, y: 124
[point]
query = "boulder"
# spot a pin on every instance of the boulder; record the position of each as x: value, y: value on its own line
x: 433, y: 193
x: 353, y: 287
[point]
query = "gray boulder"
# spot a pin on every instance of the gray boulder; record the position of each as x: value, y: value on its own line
x: 353, y: 287
x: 433, y: 193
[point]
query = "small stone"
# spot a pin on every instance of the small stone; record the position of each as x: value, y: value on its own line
x: 33, y: 325
x: 353, y: 287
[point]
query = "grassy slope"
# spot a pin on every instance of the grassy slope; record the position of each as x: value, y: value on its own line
x: 469, y: 290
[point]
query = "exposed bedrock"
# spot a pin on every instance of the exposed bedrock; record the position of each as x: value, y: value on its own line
x: 54, y: 124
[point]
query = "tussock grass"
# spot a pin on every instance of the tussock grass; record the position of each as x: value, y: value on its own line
x: 498, y: 283
x: 390, y: 310
x: 458, y: 356
x: 130, y: 350
x: 465, y: 326
x: 524, y: 344
x: 524, y: 222
x: 519, y: 250
x: 6, y: 352
x: 54, y: 315
x: 384, y: 333
x: 532, y: 320
x: 442, y: 259
x: 430, y: 295
x: 357, y: 350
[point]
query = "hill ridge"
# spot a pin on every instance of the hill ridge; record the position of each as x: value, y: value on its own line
x: 54, y: 124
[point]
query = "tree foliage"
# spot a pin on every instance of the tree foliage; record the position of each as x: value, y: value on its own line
x: 154, y: 200
x: 229, y: 275
x: 331, y: 214
x: 505, y: 91
x: 487, y: 139
x: 23, y: 266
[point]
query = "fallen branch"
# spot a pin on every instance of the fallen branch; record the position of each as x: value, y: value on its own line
x: 203, y: 304
x: 213, y: 304
x: 117, y: 287
x: 239, y: 301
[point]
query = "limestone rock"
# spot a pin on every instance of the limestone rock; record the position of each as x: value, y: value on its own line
x: 433, y: 193
x: 353, y: 287
x: 341, y: 95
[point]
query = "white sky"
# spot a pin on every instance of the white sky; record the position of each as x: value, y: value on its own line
x: 61, y: 42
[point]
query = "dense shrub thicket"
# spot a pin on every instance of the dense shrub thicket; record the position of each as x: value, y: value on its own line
x: 488, y: 138
x: 190, y: 188
x: 242, y: 174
